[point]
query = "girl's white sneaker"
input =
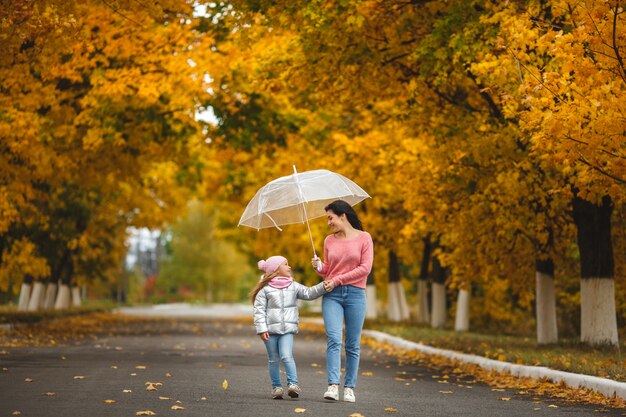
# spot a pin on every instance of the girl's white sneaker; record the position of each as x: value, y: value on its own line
x: 348, y: 395
x: 332, y: 393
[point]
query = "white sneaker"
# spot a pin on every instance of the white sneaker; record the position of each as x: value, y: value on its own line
x: 348, y: 395
x: 294, y: 391
x: 277, y: 393
x: 332, y: 393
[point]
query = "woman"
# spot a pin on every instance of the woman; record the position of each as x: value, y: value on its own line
x: 348, y: 256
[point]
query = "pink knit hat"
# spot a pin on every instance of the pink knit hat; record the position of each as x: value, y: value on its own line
x: 271, y: 264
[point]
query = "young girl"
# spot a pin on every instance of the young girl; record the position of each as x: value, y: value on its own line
x: 276, y: 319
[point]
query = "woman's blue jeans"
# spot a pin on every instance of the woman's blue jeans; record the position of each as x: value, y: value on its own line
x: 344, y: 302
x: 280, y: 348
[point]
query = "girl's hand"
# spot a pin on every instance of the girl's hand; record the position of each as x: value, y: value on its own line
x: 264, y: 336
x: 329, y: 285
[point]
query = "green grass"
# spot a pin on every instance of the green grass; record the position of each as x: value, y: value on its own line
x: 568, y: 355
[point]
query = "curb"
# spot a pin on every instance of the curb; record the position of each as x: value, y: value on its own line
x: 604, y: 386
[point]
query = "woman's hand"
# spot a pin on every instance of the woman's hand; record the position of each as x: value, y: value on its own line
x: 316, y: 262
x: 265, y: 336
x: 329, y: 285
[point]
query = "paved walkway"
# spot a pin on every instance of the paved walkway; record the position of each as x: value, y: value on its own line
x: 188, y: 360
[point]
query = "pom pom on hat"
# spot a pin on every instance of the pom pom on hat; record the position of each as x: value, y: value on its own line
x: 271, y: 264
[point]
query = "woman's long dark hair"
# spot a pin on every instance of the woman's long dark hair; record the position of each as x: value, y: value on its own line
x: 340, y: 207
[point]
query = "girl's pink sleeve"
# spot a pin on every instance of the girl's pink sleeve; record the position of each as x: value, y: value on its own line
x: 364, y: 268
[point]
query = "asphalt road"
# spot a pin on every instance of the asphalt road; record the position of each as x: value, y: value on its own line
x: 187, y: 364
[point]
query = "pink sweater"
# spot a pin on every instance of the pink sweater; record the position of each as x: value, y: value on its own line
x: 348, y: 262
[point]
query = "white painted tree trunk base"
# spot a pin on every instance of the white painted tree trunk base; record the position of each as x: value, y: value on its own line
x: 461, y: 322
x: 63, y: 298
x: 76, y: 299
x: 547, y: 331
x: 439, y: 305
x: 22, y: 305
x: 398, y: 308
x: 51, y: 293
x: 372, y: 307
x: 423, y: 315
x: 597, y: 310
x: 34, y: 303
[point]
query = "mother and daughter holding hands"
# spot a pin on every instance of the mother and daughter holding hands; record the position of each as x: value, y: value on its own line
x: 348, y: 256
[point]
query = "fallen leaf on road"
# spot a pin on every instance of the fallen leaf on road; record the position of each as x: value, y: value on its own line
x: 141, y: 367
x: 167, y: 374
x: 446, y: 392
x: 203, y: 399
x: 118, y: 348
x: 314, y: 365
x: 164, y: 398
x: 5, y: 369
x: 367, y: 373
x: 553, y: 406
x: 16, y: 413
x: 504, y: 399
x: 391, y: 410
x: 177, y: 407
x: 497, y: 389
x: 79, y: 377
x: 127, y: 390
x: 113, y: 366
x: 109, y: 401
x: 220, y: 365
x: 145, y: 413
x: 150, y: 387
x: 225, y: 384
x: 356, y: 415
x: 49, y: 394
x: 299, y: 410
x: 133, y: 374
x: 28, y: 380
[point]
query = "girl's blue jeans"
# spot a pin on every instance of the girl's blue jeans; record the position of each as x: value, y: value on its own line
x: 344, y: 302
x: 280, y: 348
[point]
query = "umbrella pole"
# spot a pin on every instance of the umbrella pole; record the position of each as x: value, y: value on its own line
x: 295, y: 172
x: 310, y: 235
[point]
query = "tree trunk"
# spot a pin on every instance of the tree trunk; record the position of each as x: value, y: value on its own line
x: 439, y: 315
x: 461, y: 322
x: 547, y: 331
x: 25, y: 293
x: 597, y: 289
x: 36, y: 298
x: 423, y: 312
x: 398, y: 309
x: 76, y: 300
x: 63, y: 295
x: 370, y: 294
x: 51, y: 292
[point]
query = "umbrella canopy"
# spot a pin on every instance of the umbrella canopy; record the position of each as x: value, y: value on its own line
x: 299, y: 197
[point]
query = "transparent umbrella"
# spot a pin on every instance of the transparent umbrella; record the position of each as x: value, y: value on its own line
x: 299, y: 197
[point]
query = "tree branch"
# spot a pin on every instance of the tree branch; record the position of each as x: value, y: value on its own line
x: 601, y: 171
x: 615, y: 47
x: 116, y: 10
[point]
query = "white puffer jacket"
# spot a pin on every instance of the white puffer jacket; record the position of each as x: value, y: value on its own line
x: 276, y: 309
